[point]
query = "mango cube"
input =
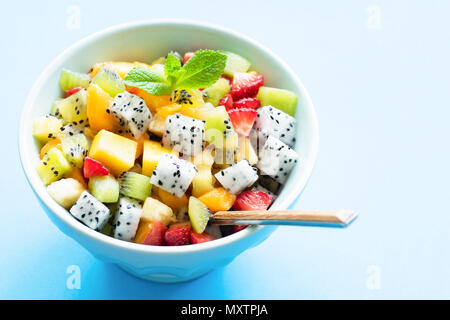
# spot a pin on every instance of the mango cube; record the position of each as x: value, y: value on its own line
x: 117, y: 153
x: 151, y: 155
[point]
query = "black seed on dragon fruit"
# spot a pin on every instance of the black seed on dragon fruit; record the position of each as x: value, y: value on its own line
x: 274, y: 122
x: 131, y: 112
x: 174, y: 175
x: 276, y: 159
x: 127, y: 218
x: 237, y: 177
x: 184, y: 134
x: 90, y: 211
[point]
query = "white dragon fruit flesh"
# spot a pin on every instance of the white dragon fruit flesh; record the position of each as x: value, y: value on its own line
x: 131, y: 112
x: 174, y: 175
x: 237, y: 177
x: 184, y: 134
x: 90, y: 211
x: 127, y: 219
x: 271, y: 121
x: 276, y: 159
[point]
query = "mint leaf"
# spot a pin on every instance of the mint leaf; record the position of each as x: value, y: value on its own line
x: 172, y: 68
x: 148, y: 80
x: 202, y: 70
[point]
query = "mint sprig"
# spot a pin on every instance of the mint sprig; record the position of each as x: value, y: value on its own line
x: 201, y: 71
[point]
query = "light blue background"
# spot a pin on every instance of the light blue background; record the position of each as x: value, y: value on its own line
x: 382, y: 98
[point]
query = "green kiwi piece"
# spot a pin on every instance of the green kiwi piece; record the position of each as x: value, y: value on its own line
x: 74, y: 108
x: 235, y: 63
x: 71, y: 79
x: 53, y: 166
x: 109, y: 81
x: 135, y: 185
x: 284, y: 100
x: 217, y: 91
x: 199, y: 215
x: 104, y: 188
x: 46, y: 127
x: 75, y: 148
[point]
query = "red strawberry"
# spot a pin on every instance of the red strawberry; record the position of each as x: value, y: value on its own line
x: 246, y: 85
x: 178, y: 234
x: 72, y: 91
x: 155, y: 236
x: 251, y: 103
x: 242, y: 120
x: 253, y: 200
x: 187, y: 56
x: 237, y: 228
x: 227, y: 101
x: 93, y: 168
x: 201, y: 237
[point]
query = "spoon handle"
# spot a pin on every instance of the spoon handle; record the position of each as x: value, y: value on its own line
x: 332, y: 218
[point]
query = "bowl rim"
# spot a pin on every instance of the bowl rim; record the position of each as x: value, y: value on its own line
x: 61, y: 213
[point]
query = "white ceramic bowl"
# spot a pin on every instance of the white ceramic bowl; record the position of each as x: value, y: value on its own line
x: 145, y: 41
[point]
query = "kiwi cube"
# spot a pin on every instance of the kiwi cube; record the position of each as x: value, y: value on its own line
x: 109, y: 81
x: 135, y: 185
x: 104, y: 188
x: 75, y: 148
x: 46, y: 128
x: 217, y: 91
x: 71, y: 79
x: 53, y: 166
x: 284, y: 100
x: 235, y: 63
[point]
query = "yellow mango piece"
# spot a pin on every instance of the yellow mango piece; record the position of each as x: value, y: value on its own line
x: 172, y: 201
x: 202, y: 182
x: 98, y: 102
x: 151, y: 155
x: 117, y: 153
x: 218, y: 199
x: 169, y: 110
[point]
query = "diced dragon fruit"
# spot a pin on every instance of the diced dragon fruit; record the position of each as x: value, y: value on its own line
x: 184, y: 134
x: 274, y: 122
x: 90, y: 211
x: 276, y: 159
x: 131, y: 112
x: 173, y: 174
x: 237, y: 177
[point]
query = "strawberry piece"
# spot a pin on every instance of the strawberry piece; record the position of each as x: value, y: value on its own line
x: 178, y: 234
x: 246, y: 85
x: 242, y: 120
x: 253, y: 200
x: 251, y: 103
x: 237, y: 228
x: 227, y: 101
x: 93, y: 168
x: 155, y: 236
x: 187, y: 56
x: 72, y: 91
x: 201, y: 237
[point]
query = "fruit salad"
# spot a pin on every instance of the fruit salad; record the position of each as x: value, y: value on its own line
x: 147, y: 153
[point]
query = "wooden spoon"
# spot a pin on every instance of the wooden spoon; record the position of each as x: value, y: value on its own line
x: 333, y: 219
